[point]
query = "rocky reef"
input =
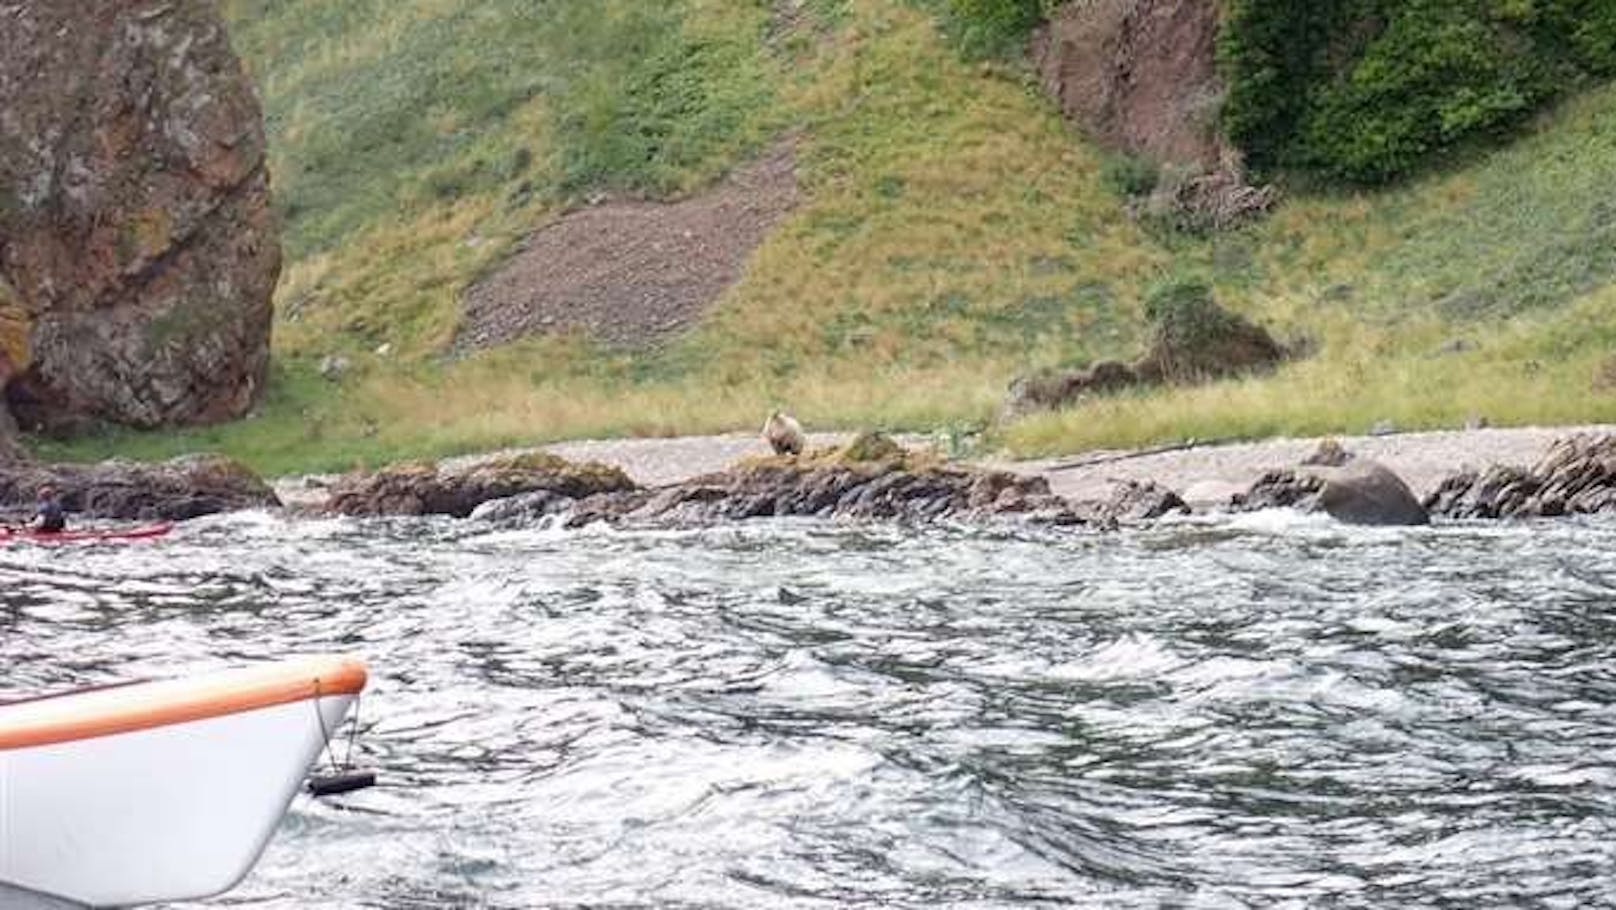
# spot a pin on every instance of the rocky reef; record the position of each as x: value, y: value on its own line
x: 1577, y: 476
x: 183, y: 488
x: 424, y: 488
x: 138, y: 251
x: 871, y: 477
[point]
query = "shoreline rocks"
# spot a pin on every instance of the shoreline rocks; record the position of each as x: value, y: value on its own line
x: 423, y: 488
x: 176, y: 490
x: 1350, y: 489
x: 1577, y: 476
x: 878, y: 490
x: 870, y: 477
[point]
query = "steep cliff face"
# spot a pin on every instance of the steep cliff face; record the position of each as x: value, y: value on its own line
x: 1140, y: 75
x: 138, y: 252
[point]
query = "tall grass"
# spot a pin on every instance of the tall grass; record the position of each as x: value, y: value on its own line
x: 412, y: 141
x: 953, y: 233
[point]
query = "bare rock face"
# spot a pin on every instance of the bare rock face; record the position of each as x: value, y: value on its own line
x: 1141, y: 75
x: 138, y: 252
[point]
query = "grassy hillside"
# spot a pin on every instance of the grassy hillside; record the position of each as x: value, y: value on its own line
x: 954, y: 232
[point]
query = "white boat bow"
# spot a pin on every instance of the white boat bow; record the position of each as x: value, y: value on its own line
x: 159, y: 791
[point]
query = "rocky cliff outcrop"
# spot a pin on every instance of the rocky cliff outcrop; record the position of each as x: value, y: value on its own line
x: 138, y: 252
x: 1140, y: 75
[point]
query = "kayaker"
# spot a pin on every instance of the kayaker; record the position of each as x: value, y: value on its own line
x: 49, y: 516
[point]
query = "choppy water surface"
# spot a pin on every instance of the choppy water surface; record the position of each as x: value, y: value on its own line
x: 1268, y: 711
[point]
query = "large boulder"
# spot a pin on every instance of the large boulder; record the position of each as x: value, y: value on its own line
x: 138, y: 251
x: 1366, y: 492
x: 186, y: 487
x: 1351, y: 489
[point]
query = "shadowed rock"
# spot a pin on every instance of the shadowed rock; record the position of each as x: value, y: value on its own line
x: 425, y: 489
x: 176, y: 490
x: 1280, y: 489
x: 1577, y: 476
x: 1052, y: 390
x: 1365, y: 492
x: 1133, y: 502
x: 1193, y: 339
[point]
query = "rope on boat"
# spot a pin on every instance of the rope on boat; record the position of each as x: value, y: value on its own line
x: 343, y: 778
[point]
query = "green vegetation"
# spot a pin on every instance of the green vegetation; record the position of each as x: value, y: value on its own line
x: 412, y: 140
x: 991, y: 27
x: 1371, y: 90
x: 953, y: 233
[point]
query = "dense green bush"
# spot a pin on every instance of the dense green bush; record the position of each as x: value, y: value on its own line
x: 1369, y: 90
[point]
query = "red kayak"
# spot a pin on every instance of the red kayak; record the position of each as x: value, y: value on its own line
x: 85, y: 535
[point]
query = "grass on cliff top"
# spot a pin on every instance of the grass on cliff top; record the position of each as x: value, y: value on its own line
x: 412, y: 141
x: 1489, y: 291
x: 954, y: 233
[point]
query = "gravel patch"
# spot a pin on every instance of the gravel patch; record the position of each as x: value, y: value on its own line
x: 631, y: 273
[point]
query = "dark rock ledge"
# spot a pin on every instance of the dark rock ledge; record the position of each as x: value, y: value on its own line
x: 182, y: 488
x: 1577, y: 476
x: 871, y: 477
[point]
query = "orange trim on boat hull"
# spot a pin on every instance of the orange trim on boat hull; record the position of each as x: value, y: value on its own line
x: 143, y: 706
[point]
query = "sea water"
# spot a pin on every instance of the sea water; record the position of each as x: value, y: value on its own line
x: 1259, y: 711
